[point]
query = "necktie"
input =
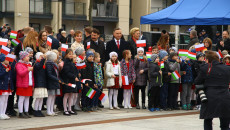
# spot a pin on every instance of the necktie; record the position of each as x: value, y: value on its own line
x: 118, y: 44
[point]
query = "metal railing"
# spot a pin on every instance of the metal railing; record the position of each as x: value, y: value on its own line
x: 155, y: 9
x: 108, y: 10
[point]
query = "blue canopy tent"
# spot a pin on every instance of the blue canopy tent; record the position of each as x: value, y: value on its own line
x: 192, y: 12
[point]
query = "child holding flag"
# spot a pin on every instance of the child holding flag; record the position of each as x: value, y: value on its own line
x: 53, y: 81
x: 166, y: 77
x: 187, y: 80
x: 99, y: 80
x: 141, y: 68
x: 40, y: 90
x: 114, y: 82
x: 127, y: 69
x: 155, y: 81
x: 174, y: 64
x: 24, y: 83
x: 88, y: 73
x: 69, y: 75
x: 6, y: 85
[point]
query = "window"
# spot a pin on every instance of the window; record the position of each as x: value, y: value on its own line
x: 70, y: 7
x: 36, y: 6
x: 40, y: 6
x: 0, y: 5
x: 36, y: 26
x: 9, y: 5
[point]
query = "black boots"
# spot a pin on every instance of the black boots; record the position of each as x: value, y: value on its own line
x: 137, y: 106
x: 143, y: 106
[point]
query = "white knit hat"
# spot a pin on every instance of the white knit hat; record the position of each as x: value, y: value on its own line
x: 140, y: 49
x: 51, y: 55
x: 38, y: 54
x: 112, y: 53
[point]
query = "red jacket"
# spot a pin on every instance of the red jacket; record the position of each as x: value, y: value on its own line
x: 22, y: 75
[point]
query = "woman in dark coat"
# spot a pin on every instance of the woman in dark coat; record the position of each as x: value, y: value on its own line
x: 215, y: 77
x: 69, y: 75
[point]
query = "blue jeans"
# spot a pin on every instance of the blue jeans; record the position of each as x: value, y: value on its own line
x: 164, y: 95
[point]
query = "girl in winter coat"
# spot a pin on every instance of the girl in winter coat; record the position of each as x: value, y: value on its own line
x: 141, y: 68
x: 53, y: 81
x: 6, y: 86
x: 127, y: 69
x: 187, y: 80
x: 40, y: 90
x: 25, y: 83
x: 69, y: 75
x: 114, y: 82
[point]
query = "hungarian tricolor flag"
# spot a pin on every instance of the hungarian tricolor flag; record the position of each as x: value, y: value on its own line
x: 162, y: 65
x: 13, y: 34
x: 15, y: 42
x: 125, y: 80
x: 10, y: 57
x: 64, y: 47
x: 219, y: 54
x: 3, y: 41
x: 192, y: 55
x: 183, y: 52
x: 88, y: 45
x: 5, y: 50
x: 148, y: 55
x: 49, y: 41
x: 103, y: 97
x: 176, y: 75
x: 72, y: 85
x: 84, y: 80
x: 91, y: 93
x: 141, y: 43
x: 199, y: 47
x: 80, y: 65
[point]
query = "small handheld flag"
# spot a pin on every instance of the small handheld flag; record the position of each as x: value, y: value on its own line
x: 49, y: 41
x: 183, y: 52
x: 148, y: 55
x: 64, y: 47
x: 84, y: 80
x: 176, y: 75
x: 72, y: 85
x: 15, y: 42
x: 199, y: 47
x: 80, y: 65
x: 141, y: 43
x: 13, y: 34
x: 91, y: 93
x: 88, y: 45
x: 162, y: 65
x: 5, y: 50
x: 103, y: 97
x: 10, y: 57
x: 192, y: 55
x: 219, y: 54
x: 3, y: 41
x: 125, y: 80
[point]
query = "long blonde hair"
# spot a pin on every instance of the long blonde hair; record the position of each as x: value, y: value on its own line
x: 31, y: 41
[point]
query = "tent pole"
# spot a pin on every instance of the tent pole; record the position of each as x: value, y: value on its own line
x: 177, y: 32
x: 222, y: 28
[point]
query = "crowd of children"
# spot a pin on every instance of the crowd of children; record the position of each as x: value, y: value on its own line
x: 57, y: 74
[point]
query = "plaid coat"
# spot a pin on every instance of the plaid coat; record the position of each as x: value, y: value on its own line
x: 131, y: 72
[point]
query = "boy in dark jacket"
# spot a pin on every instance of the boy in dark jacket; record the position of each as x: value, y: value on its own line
x: 88, y: 73
x: 166, y: 75
x: 154, y: 84
x: 187, y: 80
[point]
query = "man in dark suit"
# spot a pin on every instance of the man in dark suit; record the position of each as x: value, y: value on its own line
x: 70, y: 37
x: 97, y: 45
x: 55, y: 42
x: 118, y: 45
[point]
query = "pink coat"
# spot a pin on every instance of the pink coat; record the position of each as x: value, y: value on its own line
x: 22, y: 75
